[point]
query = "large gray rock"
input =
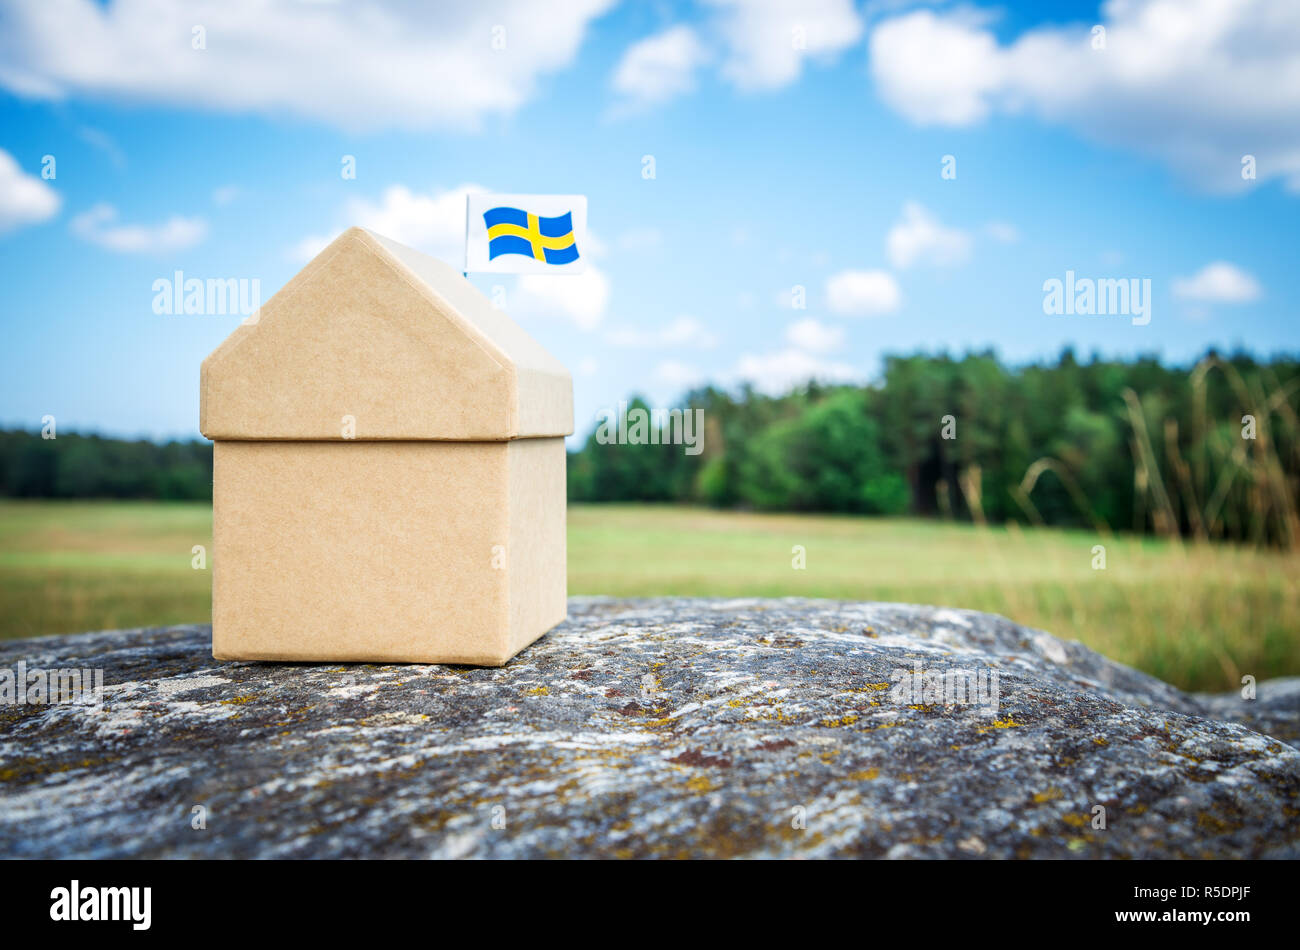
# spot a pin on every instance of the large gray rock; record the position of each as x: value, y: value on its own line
x: 650, y: 728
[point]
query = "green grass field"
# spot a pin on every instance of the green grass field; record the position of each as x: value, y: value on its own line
x: 1198, y: 616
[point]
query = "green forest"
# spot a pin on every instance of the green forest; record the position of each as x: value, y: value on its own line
x: 1210, y: 450
x: 1113, y: 446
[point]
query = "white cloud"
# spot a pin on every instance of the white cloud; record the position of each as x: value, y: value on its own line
x: 24, y: 199
x: 678, y: 374
x: 863, y: 293
x: 357, y: 65
x: 683, y: 331
x: 434, y: 223
x: 581, y: 298
x: 768, y: 40
x: 1195, y: 83
x: 777, y: 373
x: 659, y: 67
x: 760, y: 44
x: 919, y: 238
x: 225, y: 194
x: 1219, y: 282
x: 98, y: 226
x: 813, y: 336
x: 935, y: 69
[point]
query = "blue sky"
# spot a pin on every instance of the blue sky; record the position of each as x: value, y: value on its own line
x: 795, y: 145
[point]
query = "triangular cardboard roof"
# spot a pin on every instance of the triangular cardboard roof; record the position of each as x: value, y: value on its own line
x: 396, y: 340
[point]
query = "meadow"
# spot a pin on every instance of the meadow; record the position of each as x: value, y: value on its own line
x: 1199, y: 615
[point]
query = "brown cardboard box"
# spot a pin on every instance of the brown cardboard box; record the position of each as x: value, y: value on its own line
x: 388, y: 470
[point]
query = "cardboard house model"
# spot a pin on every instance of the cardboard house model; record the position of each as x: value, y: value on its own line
x: 388, y: 478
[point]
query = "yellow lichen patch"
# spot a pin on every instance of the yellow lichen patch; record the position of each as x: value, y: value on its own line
x: 887, y: 725
x: 30, y: 767
x: 238, y: 700
x: 1216, y: 824
x: 866, y: 775
x: 1007, y: 723
x: 1099, y: 740
x: 842, y: 721
x: 699, y: 783
x: 877, y: 686
x: 1051, y: 795
x: 538, y: 691
x: 1075, y: 819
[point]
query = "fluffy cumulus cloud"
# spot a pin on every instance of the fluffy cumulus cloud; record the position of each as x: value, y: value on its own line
x: 862, y: 293
x: 368, y: 64
x: 1198, y: 84
x: 581, y: 298
x: 767, y: 41
x: 758, y: 45
x: 24, y: 199
x: 678, y: 375
x: 919, y: 238
x: 814, y: 336
x: 433, y: 223
x: 1218, y: 282
x: 100, y: 226
x: 779, y: 372
x: 659, y: 67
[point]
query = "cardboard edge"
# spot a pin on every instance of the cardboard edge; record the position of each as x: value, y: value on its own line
x: 451, y: 314
x: 259, y: 656
x: 562, y: 377
x: 229, y: 347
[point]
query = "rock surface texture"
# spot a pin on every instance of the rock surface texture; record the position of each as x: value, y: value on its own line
x: 651, y: 728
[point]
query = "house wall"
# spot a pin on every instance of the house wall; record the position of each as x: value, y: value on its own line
x: 376, y: 551
x: 538, y: 532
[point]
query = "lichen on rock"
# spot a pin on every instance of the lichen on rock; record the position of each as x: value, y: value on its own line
x: 653, y: 728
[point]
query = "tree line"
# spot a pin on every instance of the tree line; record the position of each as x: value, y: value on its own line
x: 1211, y: 450
x: 90, y: 466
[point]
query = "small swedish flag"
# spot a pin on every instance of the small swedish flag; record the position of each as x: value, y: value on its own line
x: 516, y: 231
